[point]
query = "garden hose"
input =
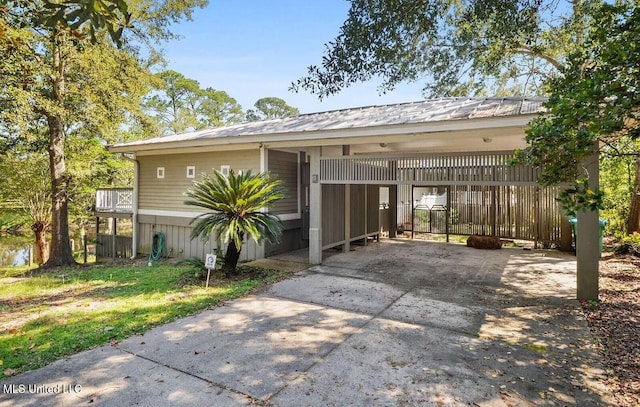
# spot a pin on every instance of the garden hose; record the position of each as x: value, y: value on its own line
x: 157, y: 247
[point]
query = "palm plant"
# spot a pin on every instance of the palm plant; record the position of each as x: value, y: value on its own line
x: 234, y: 209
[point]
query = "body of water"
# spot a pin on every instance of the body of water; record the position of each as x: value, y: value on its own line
x: 13, y: 251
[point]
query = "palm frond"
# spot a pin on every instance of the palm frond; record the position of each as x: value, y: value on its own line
x: 234, y: 207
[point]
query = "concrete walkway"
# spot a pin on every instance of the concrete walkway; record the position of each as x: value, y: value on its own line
x: 396, y: 323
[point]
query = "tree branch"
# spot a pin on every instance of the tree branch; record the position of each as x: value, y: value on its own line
x: 527, y: 50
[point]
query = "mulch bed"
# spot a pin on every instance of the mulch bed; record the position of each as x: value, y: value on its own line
x: 615, y: 324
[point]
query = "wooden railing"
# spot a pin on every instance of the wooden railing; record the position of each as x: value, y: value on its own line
x: 432, y: 169
x: 114, y: 200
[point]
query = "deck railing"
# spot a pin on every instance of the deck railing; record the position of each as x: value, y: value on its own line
x: 114, y: 200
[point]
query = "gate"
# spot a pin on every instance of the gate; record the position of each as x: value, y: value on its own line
x: 430, y: 220
x: 430, y: 212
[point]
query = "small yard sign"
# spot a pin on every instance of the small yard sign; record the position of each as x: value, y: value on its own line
x: 210, y: 261
x: 209, y: 264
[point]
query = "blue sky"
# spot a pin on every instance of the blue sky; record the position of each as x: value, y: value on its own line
x: 256, y: 48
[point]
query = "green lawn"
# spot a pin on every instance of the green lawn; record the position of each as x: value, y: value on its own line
x: 49, y: 316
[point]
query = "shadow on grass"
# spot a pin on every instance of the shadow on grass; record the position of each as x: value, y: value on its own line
x: 98, y: 306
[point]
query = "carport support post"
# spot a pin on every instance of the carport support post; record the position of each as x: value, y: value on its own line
x: 315, y: 206
x: 587, y: 240
x: 347, y: 218
x: 346, y: 150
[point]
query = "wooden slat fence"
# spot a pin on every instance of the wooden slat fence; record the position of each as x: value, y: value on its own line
x: 114, y: 246
x: 434, y: 169
x: 487, y: 195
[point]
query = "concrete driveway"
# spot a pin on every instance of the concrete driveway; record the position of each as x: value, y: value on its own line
x: 395, y: 323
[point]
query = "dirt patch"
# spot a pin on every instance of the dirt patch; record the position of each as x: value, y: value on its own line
x: 615, y: 323
x: 277, y: 264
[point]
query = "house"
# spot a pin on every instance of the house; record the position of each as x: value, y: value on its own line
x: 334, y: 164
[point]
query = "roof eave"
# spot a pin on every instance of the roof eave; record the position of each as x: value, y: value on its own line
x: 328, y: 137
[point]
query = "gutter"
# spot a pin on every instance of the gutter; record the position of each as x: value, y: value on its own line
x: 136, y: 170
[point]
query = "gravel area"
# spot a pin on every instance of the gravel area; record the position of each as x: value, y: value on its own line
x: 615, y: 323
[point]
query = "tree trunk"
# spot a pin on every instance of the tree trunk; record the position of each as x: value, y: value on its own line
x: 231, y: 258
x: 60, y: 250
x: 40, y: 255
x: 633, y: 222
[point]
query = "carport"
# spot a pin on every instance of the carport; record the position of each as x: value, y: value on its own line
x: 462, y: 146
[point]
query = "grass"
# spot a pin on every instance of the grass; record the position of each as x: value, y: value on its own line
x: 45, y: 317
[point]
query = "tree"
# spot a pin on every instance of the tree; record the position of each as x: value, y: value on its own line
x: 25, y: 181
x: 169, y: 106
x: 618, y: 169
x: 234, y: 210
x: 271, y: 108
x: 180, y: 104
x: 594, y: 101
x: 216, y: 108
x: 62, y: 73
x: 459, y: 48
x: 70, y: 90
x: 112, y: 15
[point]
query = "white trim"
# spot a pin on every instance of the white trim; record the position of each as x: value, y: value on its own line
x: 175, y: 214
x: 225, y: 169
x: 264, y: 158
x: 185, y: 214
x: 191, y: 171
x: 134, y: 215
x: 160, y: 172
x: 289, y: 216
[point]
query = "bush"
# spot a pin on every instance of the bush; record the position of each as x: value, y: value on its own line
x: 629, y: 244
x: 12, y: 222
x: 196, y: 266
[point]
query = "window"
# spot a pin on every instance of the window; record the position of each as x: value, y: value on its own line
x: 191, y: 171
x: 160, y: 172
x: 224, y: 169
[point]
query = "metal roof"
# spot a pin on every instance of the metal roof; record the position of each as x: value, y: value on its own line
x: 434, y: 110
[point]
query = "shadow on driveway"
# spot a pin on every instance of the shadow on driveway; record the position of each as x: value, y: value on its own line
x: 393, y: 323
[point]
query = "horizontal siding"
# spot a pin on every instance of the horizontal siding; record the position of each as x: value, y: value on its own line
x: 284, y: 166
x: 168, y: 193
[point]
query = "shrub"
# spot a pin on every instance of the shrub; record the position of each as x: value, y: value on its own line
x: 629, y: 244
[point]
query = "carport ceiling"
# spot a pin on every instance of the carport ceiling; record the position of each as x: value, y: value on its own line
x: 497, y: 139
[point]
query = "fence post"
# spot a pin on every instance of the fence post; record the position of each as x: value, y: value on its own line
x: 413, y: 215
x: 447, y: 214
x: 113, y: 238
x: 84, y: 244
